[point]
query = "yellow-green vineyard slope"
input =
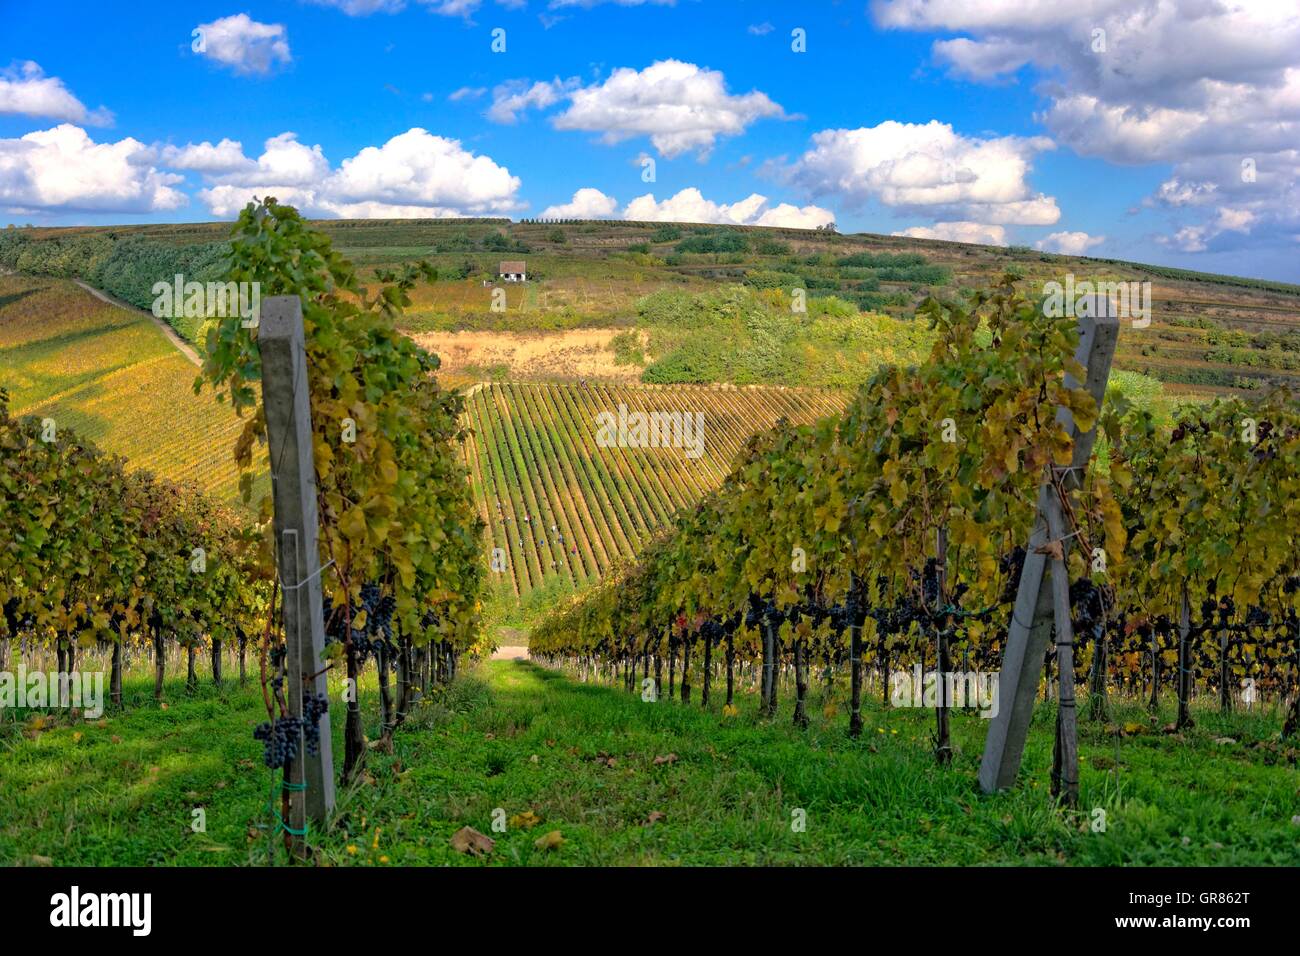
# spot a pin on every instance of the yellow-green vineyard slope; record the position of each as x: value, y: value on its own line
x: 109, y: 374
x: 567, y: 483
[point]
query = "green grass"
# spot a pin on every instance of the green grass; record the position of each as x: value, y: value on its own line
x: 513, y: 736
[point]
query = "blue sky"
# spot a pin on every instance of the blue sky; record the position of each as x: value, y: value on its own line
x: 983, y: 120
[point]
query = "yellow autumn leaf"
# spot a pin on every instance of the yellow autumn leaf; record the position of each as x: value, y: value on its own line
x: 550, y: 841
x: 525, y: 821
x: 353, y: 524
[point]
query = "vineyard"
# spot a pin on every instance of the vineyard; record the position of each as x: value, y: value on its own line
x: 802, y: 599
x: 558, y: 505
x: 96, y: 557
x: 892, y: 539
x: 112, y: 377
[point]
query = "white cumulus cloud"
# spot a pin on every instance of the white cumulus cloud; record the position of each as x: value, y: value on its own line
x: 958, y: 232
x: 1068, y: 243
x: 511, y: 98
x: 587, y: 203
x: 64, y: 169
x: 689, y: 205
x: 927, y: 168
x: 413, y: 175
x: 26, y: 90
x: 1202, y: 85
x: 681, y: 107
x: 226, y: 156
x: 245, y: 45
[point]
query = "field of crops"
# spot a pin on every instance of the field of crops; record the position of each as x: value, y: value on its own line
x: 561, y: 507
x: 111, y: 376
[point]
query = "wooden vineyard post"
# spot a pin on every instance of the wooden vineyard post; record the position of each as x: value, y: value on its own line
x: 1039, y: 601
x: 293, y: 488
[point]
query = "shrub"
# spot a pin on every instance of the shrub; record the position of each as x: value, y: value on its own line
x: 717, y: 242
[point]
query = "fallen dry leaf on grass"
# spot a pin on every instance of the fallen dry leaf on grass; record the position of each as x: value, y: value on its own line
x: 525, y: 821
x: 549, y: 841
x: 469, y: 840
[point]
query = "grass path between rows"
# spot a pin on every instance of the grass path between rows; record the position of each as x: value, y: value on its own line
x: 626, y: 782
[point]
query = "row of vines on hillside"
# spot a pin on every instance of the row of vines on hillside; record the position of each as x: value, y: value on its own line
x: 91, y: 554
x: 892, y: 536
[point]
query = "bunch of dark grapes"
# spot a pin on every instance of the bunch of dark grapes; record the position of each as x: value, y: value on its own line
x: 279, y: 741
x: 313, y: 706
x: 930, y: 582
x: 1011, y: 565
x: 1088, y: 603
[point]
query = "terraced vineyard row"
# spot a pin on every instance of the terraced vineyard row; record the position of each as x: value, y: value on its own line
x: 559, y: 506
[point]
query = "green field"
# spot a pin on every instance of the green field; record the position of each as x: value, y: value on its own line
x: 632, y: 783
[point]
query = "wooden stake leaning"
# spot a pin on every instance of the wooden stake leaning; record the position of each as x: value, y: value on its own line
x: 1038, y: 603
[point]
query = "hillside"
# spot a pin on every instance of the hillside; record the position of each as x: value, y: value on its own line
x: 113, y: 377
x: 1208, y: 333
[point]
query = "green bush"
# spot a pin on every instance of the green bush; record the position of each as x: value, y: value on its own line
x: 767, y: 246
x: 627, y: 348
x: 882, y: 260
x: 766, y: 279
x: 716, y: 242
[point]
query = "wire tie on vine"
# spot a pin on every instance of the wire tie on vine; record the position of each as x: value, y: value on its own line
x: 294, y: 587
